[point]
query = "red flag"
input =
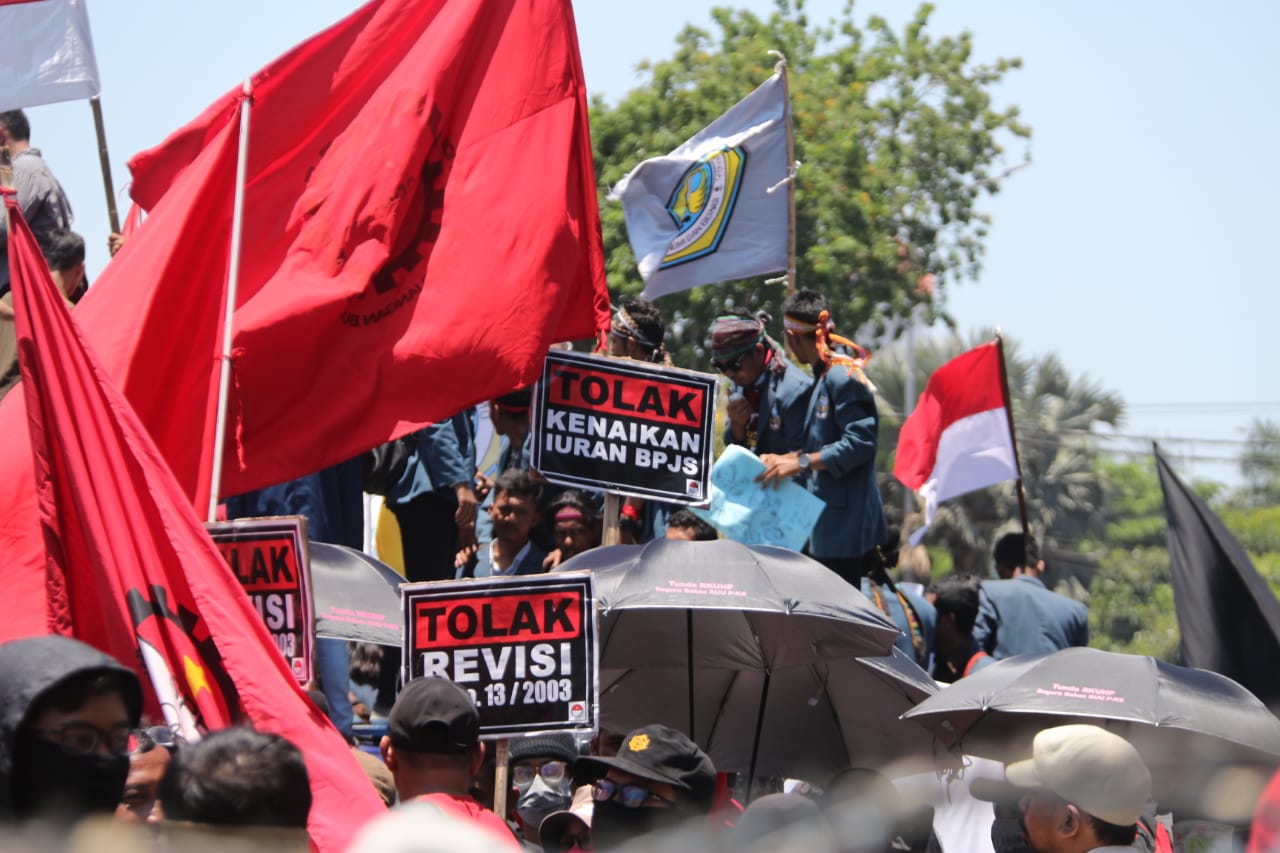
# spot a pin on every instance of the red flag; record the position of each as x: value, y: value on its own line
x: 958, y: 438
x: 132, y: 570
x: 420, y: 224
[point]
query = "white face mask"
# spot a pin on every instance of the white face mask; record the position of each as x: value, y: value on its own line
x: 540, y: 800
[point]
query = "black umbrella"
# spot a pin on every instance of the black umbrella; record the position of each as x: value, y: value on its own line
x: 356, y: 597
x: 695, y: 633
x: 1189, y: 724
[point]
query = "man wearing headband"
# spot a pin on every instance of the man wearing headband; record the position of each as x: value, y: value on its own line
x: 770, y: 394
x: 637, y: 332
x: 575, y: 524
x: 839, y: 451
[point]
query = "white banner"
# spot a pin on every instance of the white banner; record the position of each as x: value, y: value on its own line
x: 46, y: 53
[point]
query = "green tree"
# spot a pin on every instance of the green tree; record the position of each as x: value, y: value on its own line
x: 898, y: 136
x: 1260, y: 464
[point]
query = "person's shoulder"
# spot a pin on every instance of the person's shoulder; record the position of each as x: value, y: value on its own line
x: 844, y: 383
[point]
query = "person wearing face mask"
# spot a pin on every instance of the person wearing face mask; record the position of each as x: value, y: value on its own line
x: 541, y: 771
x: 66, y: 714
x: 658, y: 781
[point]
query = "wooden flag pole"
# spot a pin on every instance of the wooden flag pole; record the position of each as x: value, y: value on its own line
x: 233, y: 283
x: 104, y: 160
x: 501, y: 778
x: 1013, y: 436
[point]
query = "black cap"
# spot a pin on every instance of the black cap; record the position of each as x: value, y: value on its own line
x: 659, y: 754
x: 559, y: 746
x: 433, y: 715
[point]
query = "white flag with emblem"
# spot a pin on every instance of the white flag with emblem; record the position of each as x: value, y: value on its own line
x: 46, y: 53
x: 704, y: 213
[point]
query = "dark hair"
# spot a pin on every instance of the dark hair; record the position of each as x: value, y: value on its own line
x: 366, y: 664
x: 62, y: 249
x: 1016, y: 549
x: 959, y: 595
x: 75, y: 690
x: 1111, y: 834
x: 648, y: 321
x: 318, y: 699
x: 518, y: 482
x: 575, y: 499
x: 15, y: 121
x: 521, y: 398
x: 805, y: 305
x: 683, y: 519
x: 238, y: 777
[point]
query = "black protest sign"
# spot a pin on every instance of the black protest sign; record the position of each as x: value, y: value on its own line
x: 624, y: 426
x: 269, y: 557
x: 524, y: 647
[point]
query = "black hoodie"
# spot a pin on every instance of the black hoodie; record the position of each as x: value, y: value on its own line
x: 31, y: 667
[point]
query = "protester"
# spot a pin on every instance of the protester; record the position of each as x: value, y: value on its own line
x: 868, y: 815
x: 782, y: 821
x: 509, y: 415
x: 658, y: 780
x: 434, y: 499
x: 770, y: 395
x: 576, y: 526
x: 66, y: 714
x: 426, y: 827
x: 1019, y: 614
x: 957, y: 653
x: 149, y: 757
x: 433, y: 749
x: 569, y: 830
x: 44, y: 204
x: 515, y: 515
x: 914, y: 616
x: 541, y: 772
x: 1083, y: 789
x: 637, y: 332
x: 238, y: 777
x: 683, y: 524
x: 838, y: 457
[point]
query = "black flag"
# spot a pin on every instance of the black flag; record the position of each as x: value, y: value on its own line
x: 1228, y: 617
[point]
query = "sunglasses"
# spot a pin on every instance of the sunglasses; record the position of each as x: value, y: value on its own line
x: 83, y: 738
x: 157, y: 736
x: 629, y: 796
x: 552, y: 772
x: 731, y: 365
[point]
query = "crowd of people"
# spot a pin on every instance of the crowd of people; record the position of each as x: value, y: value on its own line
x: 73, y: 741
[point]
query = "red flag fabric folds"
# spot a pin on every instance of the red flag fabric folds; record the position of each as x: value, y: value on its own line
x: 131, y: 569
x: 420, y: 225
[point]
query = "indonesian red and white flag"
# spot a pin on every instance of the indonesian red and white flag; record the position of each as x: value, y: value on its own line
x: 46, y: 53
x: 958, y: 438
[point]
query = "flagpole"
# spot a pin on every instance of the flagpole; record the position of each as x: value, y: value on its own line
x: 1013, y: 437
x: 233, y: 283
x: 104, y: 160
x: 781, y: 68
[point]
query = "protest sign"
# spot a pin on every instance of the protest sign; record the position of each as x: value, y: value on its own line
x: 744, y: 511
x: 624, y: 426
x: 269, y: 558
x: 524, y: 647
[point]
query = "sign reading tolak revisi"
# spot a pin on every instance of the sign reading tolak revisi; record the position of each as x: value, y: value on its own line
x: 523, y: 647
x: 618, y: 425
x: 268, y: 556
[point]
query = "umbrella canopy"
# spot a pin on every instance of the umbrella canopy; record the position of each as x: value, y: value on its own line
x: 729, y: 643
x: 1188, y: 723
x: 356, y: 597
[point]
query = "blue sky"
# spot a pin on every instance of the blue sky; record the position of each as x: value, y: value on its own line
x: 1135, y: 245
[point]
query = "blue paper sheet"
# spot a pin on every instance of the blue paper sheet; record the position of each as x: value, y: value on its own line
x: 744, y: 512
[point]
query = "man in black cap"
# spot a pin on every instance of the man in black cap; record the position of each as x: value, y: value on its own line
x: 658, y: 780
x: 433, y: 749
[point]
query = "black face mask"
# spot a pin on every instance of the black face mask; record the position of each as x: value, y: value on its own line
x: 613, y: 825
x: 1007, y: 836
x: 49, y: 780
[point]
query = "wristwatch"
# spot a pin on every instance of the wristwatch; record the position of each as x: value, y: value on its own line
x: 802, y: 459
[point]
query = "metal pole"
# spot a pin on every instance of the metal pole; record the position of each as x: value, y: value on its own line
x: 791, y: 182
x: 104, y: 160
x: 233, y: 283
x: 1013, y: 437
x: 755, y: 746
x: 909, y: 401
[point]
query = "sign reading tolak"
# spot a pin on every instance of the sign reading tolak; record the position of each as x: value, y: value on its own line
x: 624, y: 426
x: 269, y: 557
x: 523, y: 647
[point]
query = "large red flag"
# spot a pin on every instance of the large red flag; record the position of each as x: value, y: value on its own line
x: 131, y: 567
x: 420, y: 224
x: 958, y: 437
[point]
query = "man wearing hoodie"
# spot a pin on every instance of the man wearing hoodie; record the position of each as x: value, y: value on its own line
x: 66, y: 713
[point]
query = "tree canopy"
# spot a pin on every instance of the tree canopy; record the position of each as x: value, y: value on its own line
x: 899, y: 141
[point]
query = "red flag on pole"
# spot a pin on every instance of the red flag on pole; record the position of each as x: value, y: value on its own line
x: 420, y: 225
x: 132, y: 571
x: 958, y: 438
